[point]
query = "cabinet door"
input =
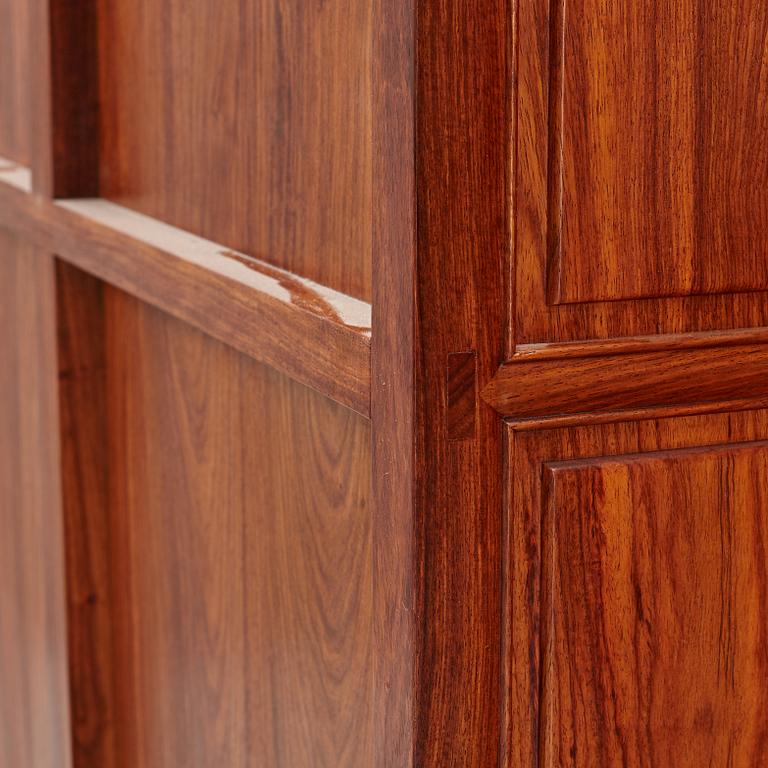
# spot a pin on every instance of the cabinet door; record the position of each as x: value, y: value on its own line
x: 640, y: 551
x: 654, y: 609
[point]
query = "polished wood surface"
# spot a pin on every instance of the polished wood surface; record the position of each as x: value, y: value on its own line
x: 240, y: 556
x: 384, y: 332
x: 654, y: 609
x: 15, y: 63
x: 692, y: 466
x: 623, y: 268
x: 255, y: 127
x: 641, y: 153
x: 34, y: 706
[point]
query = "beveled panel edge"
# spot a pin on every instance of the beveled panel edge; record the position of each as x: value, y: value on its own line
x: 536, y: 393
x: 312, y: 333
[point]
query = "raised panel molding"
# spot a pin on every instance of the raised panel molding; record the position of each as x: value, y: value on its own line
x: 654, y: 111
x: 654, y: 609
x: 625, y: 542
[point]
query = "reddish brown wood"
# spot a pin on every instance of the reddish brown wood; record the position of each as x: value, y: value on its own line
x: 239, y: 505
x: 461, y: 396
x: 654, y: 607
x: 15, y: 64
x: 82, y: 358
x: 641, y: 154
x: 249, y: 125
x: 589, y: 385
x: 34, y: 712
x: 534, y: 55
x: 393, y: 406
x: 462, y: 138
x: 316, y: 335
x: 528, y: 454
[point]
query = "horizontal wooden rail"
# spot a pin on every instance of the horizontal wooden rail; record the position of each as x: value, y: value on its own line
x: 313, y: 334
x: 536, y: 393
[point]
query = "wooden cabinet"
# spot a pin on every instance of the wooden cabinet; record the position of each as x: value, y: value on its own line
x: 383, y: 384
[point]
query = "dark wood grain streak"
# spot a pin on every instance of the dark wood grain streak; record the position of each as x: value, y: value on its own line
x: 84, y: 434
x: 631, y: 381
x: 288, y: 324
x: 254, y: 128
x: 461, y: 395
x: 34, y: 707
x: 74, y: 98
x: 528, y: 453
x: 655, y: 607
x: 463, y: 238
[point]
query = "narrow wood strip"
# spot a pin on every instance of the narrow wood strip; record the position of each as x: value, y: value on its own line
x: 633, y: 344
x: 636, y: 414
x: 621, y: 384
x: 85, y: 472
x: 313, y: 334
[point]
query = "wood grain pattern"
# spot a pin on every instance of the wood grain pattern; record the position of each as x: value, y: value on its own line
x: 462, y: 241
x: 255, y: 127
x: 239, y: 505
x: 34, y: 712
x: 647, y: 148
x: 82, y: 359
x: 393, y: 405
x: 591, y: 385
x: 15, y: 67
x: 314, y: 334
x: 533, y: 319
x: 655, y: 603
x: 528, y: 453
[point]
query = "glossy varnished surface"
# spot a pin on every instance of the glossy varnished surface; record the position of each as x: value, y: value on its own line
x: 254, y: 129
x: 655, y: 112
x: 34, y: 714
x: 241, y: 553
x: 655, y: 604
x: 716, y: 52
x: 650, y: 472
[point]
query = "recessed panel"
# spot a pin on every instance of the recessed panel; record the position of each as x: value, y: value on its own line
x: 246, y: 123
x: 655, y: 601
x: 658, y: 175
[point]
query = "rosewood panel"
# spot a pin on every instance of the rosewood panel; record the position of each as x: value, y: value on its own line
x: 34, y: 711
x: 658, y: 176
x: 643, y: 573
x: 248, y: 124
x: 239, y: 544
x: 655, y: 608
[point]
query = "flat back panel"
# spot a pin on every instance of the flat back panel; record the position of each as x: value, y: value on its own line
x: 240, y: 557
x: 659, y: 178
x: 14, y: 79
x: 247, y: 123
x: 34, y: 711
